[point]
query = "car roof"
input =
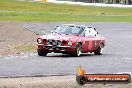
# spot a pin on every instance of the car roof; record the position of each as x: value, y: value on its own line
x: 75, y: 25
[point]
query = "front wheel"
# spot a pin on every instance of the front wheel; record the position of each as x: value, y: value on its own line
x: 41, y: 52
x: 99, y: 51
x: 78, y: 51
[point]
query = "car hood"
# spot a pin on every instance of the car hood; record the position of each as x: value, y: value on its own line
x: 60, y: 37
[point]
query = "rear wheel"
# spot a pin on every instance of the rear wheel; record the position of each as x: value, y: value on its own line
x: 41, y: 52
x: 99, y: 51
x: 78, y: 51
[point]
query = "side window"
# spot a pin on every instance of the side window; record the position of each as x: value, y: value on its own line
x: 93, y: 32
x: 90, y: 32
x: 87, y: 31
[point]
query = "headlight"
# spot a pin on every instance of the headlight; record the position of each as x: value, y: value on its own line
x: 39, y: 41
x: 70, y: 43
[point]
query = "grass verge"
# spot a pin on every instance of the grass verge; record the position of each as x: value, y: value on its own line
x: 25, y: 48
x: 12, y: 10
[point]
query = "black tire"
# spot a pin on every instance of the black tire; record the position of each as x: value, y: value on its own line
x: 78, y: 51
x: 99, y: 50
x: 81, y: 80
x: 41, y: 52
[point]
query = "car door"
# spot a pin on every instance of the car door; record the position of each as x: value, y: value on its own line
x: 86, y: 42
x: 90, y: 41
x: 94, y: 39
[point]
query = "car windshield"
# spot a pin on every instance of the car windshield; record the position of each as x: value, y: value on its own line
x: 76, y: 30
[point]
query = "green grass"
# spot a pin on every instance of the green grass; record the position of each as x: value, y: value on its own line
x: 12, y: 10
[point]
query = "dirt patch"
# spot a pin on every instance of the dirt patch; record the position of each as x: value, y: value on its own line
x: 14, y: 39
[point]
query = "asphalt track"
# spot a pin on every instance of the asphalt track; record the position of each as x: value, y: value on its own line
x: 117, y: 56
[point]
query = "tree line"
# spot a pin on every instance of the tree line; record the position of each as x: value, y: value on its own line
x: 119, y: 1
x: 108, y: 1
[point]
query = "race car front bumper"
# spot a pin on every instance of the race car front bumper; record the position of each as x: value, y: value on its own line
x: 56, y: 49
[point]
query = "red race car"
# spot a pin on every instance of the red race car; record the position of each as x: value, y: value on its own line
x: 71, y: 39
